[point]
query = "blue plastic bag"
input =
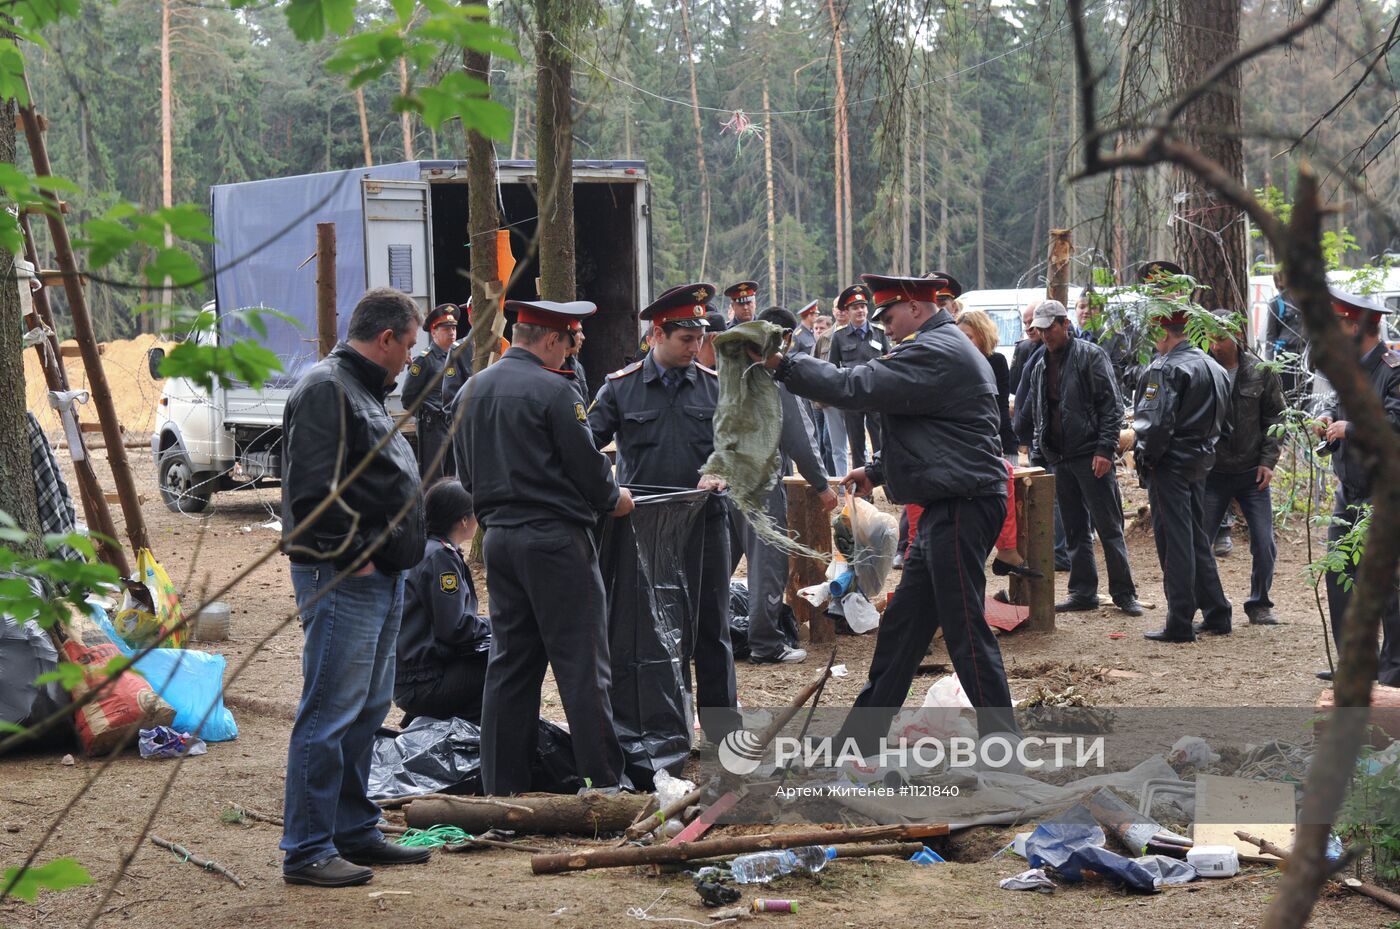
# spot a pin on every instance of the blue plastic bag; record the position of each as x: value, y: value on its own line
x: 190, y: 681
x: 1072, y: 843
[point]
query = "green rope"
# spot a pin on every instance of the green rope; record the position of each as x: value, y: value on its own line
x: 434, y: 837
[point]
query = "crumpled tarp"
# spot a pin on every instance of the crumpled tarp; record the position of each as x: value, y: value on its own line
x: 444, y: 756
x: 651, y: 562
x: 26, y: 651
x: 739, y: 621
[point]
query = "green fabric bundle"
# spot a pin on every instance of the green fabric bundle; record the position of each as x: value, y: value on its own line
x: 748, y: 425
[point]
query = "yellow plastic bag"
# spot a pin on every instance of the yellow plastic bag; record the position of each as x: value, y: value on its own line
x: 151, y: 607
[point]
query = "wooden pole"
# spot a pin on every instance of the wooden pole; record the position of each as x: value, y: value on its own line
x: 586, y: 859
x: 811, y: 526
x: 87, y: 340
x: 768, y: 174
x: 1035, y: 537
x: 95, y: 509
x: 364, y: 126
x: 1060, y: 249
x: 167, y: 165
x: 327, y: 322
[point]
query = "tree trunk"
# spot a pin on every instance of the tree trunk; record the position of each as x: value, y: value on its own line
x: 364, y: 126
x: 167, y: 197
x: 906, y: 247
x: 981, y: 242
x: 699, y: 140
x: 1211, y: 246
x: 843, y: 142
x: 554, y: 128
x: 586, y: 814
x: 405, y: 118
x: 16, y: 471
x: 1116, y: 220
x: 483, y: 219
x: 1050, y: 167
x: 945, y: 159
x: 923, y: 186
x: 768, y: 176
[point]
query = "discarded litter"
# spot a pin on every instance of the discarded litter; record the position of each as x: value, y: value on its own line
x: 1192, y: 750
x: 762, y: 905
x: 164, y: 742
x: 1214, y: 860
x: 715, y: 894
x: 926, y: 855
x: 1034, y: 879
x: 762, y: 867
x: 839, y: 670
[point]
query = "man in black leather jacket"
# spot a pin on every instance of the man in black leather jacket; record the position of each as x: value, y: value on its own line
x: 937, y: 405
x: 1179, y: 412
x: 1245, y: 458
x: 1361, y: 319
x: 539, y: 485
x: 1078, y: 414
x: 372, y: 533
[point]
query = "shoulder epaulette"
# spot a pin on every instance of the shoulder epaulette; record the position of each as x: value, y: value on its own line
x: 424, y: 356
x: 710, y: 371
x: 633, y: 368
x: 1392, y: 359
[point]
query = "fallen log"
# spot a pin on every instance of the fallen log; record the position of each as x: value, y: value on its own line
x: 582, y: 814
x: 208, y: 864
x: 670, y: 811
x: 395, y: 803
x: 897, y: 849
x: 586, y: 859
x: 1378, y: 894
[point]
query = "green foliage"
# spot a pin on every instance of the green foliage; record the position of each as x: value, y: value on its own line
x: 21, y: 191
x: 1371, y: 812
x: 419, y: 39
x: 1346, y: 551
x: 237, y: 361
x: 125, y: 227
x: 72, y: 578
x: 59, y: 874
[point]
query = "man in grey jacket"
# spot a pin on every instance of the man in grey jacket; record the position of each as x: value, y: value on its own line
x: 1077, y: 415
x: 1245, y: 457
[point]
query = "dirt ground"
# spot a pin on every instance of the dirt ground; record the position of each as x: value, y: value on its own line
x: 1255, y: 666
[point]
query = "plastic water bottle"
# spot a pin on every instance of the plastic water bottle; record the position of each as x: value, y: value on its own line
x: 762, y: 867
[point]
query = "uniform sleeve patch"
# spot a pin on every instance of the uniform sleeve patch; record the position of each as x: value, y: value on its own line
x: 414, y: 369
x: 450, y: 372
x: 579, y: 413
x: 1150, y: 392
x: 448, y: 582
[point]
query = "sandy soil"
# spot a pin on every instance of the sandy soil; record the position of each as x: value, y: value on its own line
x: 1255, y: 666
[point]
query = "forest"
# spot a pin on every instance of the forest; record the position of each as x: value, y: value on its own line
x: 797, y: 144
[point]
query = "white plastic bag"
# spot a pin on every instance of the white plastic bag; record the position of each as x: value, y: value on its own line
x: 860, y: 613
x: 942, y: 715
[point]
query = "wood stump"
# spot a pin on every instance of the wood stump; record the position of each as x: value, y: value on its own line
x: 811, y: 526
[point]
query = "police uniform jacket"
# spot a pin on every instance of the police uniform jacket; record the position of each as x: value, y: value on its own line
x: 804, y: 342
x: 1182, y: 403
x: 346, y: 388
x: 421, y: 372
x: 662, y: 440
x: 440, y: 618
x: 849, y: 348
x: 1382, y: 368
x: 938, y: 412
x: 458, y: 370
x: 523, y: 447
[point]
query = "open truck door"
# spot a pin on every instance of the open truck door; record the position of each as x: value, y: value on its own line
x: 398, y: 219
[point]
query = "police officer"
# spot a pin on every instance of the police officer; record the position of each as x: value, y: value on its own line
x: 540, y: 485
x: 661, y: 412
x: 1181, y: 405
x: 743, y: 301
x: 804, y: 341
x: 572, y: 363
x: 859, y: 341
x: 432, y: 419
x: 1361, y: 319
x: 935, y: 394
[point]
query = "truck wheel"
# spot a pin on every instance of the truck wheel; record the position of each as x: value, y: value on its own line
x: 179, y: 488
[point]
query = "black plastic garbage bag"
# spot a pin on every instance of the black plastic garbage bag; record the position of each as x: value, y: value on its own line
x: 739, y: 621
x: 444, y: 756
x: 651, y: 563
x: 26, y: 652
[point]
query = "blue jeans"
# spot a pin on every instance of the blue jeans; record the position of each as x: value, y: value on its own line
x: 1258, y: 510
x: 347, y: 681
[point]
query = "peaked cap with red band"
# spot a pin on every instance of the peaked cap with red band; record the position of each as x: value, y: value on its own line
x: 685, y: 306
x: 808, y: 309
x: 887, y: 291
x: 951, y: 287
x: 852, y: 294
x: 1354, y: 307
x: 744, y: 291
x: 549, y: 314
x: 442, y: 313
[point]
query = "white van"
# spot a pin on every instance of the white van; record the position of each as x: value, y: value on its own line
x: 1005, y: 308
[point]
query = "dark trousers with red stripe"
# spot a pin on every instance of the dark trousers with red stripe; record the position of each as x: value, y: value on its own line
x: 942, y: 587
x: 1189, y: 575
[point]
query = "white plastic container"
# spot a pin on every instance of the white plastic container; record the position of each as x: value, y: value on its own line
x: 211, y: 623
x: 1214, y: 860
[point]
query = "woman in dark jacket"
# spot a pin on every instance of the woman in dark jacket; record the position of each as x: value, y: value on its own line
x: 443, y: 642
